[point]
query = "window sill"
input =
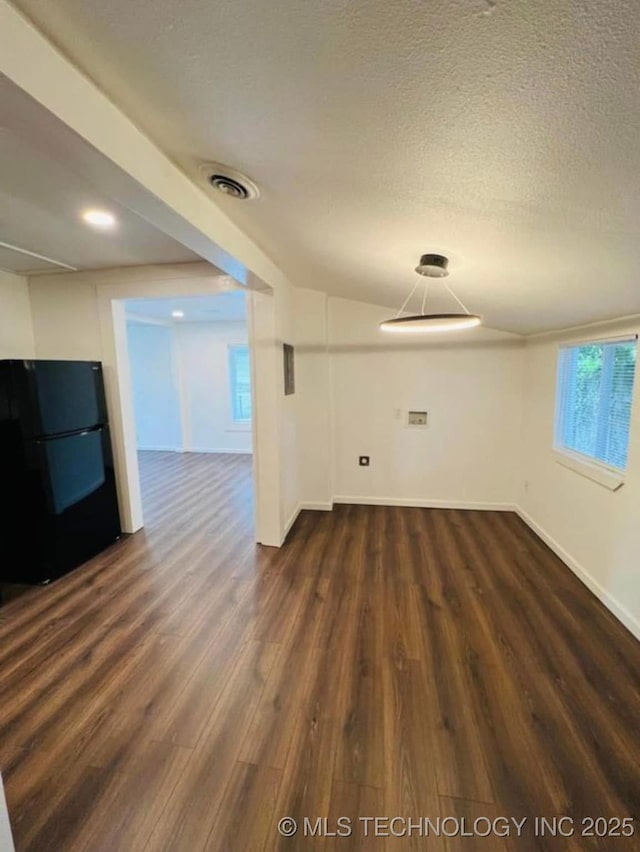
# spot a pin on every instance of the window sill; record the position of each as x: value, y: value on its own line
x: 239, y: 427
x: 608, y: 478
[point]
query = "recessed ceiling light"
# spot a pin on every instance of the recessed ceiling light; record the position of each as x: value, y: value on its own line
x: 99, y: 218
x: 177, y: 314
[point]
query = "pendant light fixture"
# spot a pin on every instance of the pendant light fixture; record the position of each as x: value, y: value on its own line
x: 431, y: 266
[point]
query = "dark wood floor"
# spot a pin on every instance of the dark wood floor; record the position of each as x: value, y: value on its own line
x: 186, y: 690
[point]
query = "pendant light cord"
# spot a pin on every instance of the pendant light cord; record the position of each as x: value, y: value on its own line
x: 408, y: 299
x: 424, y: 295
x: 459, y: 301
x: 424, y: 298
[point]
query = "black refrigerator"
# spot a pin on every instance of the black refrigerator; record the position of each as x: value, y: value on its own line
x: 58, y: 502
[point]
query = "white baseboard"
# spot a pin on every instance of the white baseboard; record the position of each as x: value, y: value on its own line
x: 227, y: 451
x: 166, y: 449
x: 614, y: 606
x: 317, y: 507
x: 291, y: 522
x: 412, y: 502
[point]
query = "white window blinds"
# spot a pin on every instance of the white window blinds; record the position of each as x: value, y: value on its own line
x: 240, y: 383
x: 595, y: 392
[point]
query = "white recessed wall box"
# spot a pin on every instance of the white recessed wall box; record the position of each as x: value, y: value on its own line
x: 417, y: 418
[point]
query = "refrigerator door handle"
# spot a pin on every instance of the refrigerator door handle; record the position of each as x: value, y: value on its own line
x: 69, y: 435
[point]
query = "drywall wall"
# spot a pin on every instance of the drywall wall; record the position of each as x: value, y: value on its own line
x: 181, y: 388
x: 287, y: 411
x: 471, y: 389
x: 65, y: 317
x: 595, y: 530
x: 313, y: 399
x: 16, y: 326
x: 274, y: 422
x: 202, y: 360
x: 156, y: 397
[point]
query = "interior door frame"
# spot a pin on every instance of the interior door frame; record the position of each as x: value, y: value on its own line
x: 261, y: 337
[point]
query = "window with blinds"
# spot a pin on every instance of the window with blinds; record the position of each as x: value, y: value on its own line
x: 240, y: 383
x: 595, y: 392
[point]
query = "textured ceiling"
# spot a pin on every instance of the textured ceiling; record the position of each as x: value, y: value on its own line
x: 42, y: 198
x: 225, y: 307
x: 503, y: 133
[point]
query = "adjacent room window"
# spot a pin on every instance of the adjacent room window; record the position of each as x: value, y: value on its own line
x: 240, y: 383
x: 593, y: 409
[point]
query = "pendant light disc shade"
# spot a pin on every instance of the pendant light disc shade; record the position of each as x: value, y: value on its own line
x: 430, y: 323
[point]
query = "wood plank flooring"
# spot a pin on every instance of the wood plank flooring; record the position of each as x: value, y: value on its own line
x: 187, y: 689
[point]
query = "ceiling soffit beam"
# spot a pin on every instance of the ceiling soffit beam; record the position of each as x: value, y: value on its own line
x: 136, y: 172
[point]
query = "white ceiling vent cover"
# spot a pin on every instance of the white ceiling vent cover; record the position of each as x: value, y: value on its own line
x: 230, y: 182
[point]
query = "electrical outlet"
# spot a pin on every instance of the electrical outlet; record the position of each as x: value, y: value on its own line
x: 364, y: 461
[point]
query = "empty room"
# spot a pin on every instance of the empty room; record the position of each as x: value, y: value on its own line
x: 190, y: 372
x: 319, y: 426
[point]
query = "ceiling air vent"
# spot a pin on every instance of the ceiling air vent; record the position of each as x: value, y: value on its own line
x: 229, y: 181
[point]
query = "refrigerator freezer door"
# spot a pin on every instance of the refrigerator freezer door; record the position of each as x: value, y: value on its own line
x: 57, y: 397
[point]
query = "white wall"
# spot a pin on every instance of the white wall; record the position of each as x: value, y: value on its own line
x: 65, y: 317
x: 595, y: 530
x: 313, y: 399
x: 267, y: 413
x: 156, y: 398
x: 201, y: 351
x: 471, y: 389
x: 16, y: 327
x: 181, y: 387
x: 287, y: 410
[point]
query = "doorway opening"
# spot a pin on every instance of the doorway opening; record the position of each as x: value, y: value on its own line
x: 190, y: 376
